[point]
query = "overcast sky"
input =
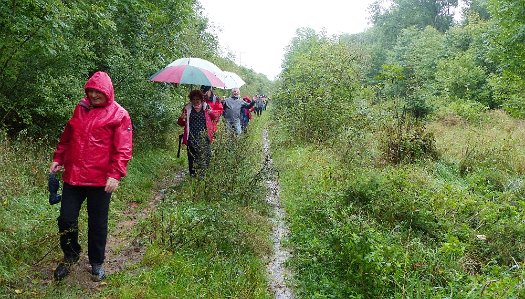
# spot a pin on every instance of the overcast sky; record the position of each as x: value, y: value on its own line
x: 257, y: 32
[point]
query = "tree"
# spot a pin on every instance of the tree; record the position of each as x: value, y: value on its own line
x: 318, y: 83
x: 509, y: 17
x: 393, y: 16
x: 49, y: 48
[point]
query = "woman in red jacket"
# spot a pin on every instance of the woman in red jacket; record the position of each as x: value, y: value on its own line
x: 198, y: 120
x: 93, y: 151
x: 215, y: 104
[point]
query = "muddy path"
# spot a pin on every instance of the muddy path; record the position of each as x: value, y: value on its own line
x: 122, y: 249
x: 278, y: 274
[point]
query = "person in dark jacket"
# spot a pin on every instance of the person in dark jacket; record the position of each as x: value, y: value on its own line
x: 93, y: 151
x: 198, y: 119
x: 246, y: 114
x: 232, y: 110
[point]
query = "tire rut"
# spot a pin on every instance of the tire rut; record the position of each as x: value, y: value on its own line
x: 278, y: 274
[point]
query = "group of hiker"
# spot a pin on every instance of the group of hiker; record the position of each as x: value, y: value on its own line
x: 96, y: 145
x: 200, y: 118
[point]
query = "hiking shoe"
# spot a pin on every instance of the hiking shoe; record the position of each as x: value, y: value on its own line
x: 62, y: 271
x: 97, y: 272
x: 64, y: 267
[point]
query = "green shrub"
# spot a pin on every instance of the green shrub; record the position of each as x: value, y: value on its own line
x: 317, y: 88
x: 508, y: 92
x: 407, y: 141
x: 468, y: 110
x: 460, y: 78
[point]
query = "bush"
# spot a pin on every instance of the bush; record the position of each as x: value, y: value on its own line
x: 318, y: 85
x: 407, y: 141
x: 468, y: 110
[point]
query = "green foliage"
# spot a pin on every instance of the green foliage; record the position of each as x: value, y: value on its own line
x: 459, y: 78
x: 477, y: 7
x: 411, y: 69
x: 402, y: 14
x: 417, y: 230
x: 509, y: 49
x: 49, y: 49
x: 318, y: 85
x: 419, y: 50
x: 391, y: 81
x: 507, y: 89
x: 467, y: 110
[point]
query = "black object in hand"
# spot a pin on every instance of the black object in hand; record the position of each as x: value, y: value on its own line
x: 53, y: 184
x: 180, y: 144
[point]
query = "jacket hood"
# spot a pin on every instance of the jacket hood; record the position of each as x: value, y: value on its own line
x: 101, y: 82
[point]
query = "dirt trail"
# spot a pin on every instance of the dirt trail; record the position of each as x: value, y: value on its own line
x: 122, y: 250
x: 277, y: 273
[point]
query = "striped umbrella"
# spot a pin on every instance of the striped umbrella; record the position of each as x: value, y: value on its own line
x: 195, y: 71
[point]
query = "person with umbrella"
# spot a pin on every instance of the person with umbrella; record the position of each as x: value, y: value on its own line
x: 197, y: 119
x: 93, y: 150
x: 232, y: 110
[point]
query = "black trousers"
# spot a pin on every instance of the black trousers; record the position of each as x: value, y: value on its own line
x: 97, y: 208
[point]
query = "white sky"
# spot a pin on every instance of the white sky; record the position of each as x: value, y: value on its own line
x: 257, y: 32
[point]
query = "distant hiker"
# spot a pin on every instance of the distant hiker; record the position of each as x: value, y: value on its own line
x: 197, y: 119
x: 259, y: 105
x: 266, y: 100
x: 232, y: 111
x: 246, y: 113
x: 214, y: 102
x: 94, y: 150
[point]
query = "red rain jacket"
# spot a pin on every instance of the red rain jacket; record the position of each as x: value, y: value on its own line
x: 216, y: 111
x: 97, y: 141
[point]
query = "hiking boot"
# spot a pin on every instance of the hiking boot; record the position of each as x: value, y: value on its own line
x: 62, y: 271
x: 97, y: 272
x: 64, y: 267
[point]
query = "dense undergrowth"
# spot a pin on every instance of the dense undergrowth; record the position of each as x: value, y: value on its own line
x: 447, y: 227
x: 208, y: 237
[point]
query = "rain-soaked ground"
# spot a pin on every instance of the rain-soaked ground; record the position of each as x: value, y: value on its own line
x: 122, y: 252
x: 277, y: 273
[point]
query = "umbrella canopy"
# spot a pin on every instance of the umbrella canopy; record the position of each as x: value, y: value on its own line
x: 190, y: 70
x: 232, y: 80
x: 198, y: 62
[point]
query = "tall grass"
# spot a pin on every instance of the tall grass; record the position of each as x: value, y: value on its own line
x: 431, y: 229
x: 25, y: 234
x: 209, y: 236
